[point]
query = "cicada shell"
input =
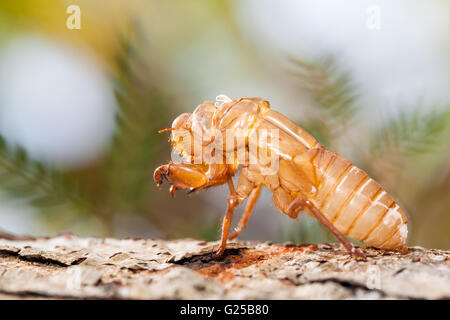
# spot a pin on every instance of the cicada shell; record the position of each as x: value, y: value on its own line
x: 307, y: 176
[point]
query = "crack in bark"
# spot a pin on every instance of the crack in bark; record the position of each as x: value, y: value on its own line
x: 353, y: 286
x: 39, y: 258
x: 208, y: 259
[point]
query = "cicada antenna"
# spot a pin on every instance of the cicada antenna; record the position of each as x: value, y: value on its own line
x: 166, y: 129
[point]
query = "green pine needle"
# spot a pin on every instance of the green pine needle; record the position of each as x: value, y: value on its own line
x: 141, y: 114
x: 34, y: 183
x: 331, y: 90
x: 411, y: 133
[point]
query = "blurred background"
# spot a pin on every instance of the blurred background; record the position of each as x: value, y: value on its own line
x: 85, y: 88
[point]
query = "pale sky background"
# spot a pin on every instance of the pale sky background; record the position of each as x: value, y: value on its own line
x: 405, y: 59
x: 56, y: 101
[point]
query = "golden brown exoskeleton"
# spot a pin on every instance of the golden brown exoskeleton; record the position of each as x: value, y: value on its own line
x: 307, y: 177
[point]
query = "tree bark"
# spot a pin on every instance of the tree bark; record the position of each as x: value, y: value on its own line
x: 67, y: 266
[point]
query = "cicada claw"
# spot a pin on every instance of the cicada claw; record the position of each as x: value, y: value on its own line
x: 160, y: 173
x: 191, y: 190
x: 172, y: 190
x: 358, y: 254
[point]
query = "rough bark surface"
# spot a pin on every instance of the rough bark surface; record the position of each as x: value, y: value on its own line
x: 88, y: 268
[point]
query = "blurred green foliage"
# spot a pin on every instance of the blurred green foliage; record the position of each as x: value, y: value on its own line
x: 142, y: 112
x: 332, y: 94
x: 408, y: 152
x: 120, y: 182
x: 35, y: 183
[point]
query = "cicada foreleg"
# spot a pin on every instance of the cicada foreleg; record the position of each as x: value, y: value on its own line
x: 182, y: 176
x: 300, y: 203
x: 190, y: 176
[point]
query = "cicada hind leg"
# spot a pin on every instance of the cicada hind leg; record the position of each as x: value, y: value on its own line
x: 299, y: 204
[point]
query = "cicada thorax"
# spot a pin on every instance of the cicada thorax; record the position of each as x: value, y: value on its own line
x: 292, y: 143
x: 221, y: 132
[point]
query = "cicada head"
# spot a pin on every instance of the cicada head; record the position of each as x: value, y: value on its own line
x: 192, y: 132
x: 181, y: 137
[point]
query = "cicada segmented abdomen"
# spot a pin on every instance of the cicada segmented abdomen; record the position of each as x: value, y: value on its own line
x: 356, y: 204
